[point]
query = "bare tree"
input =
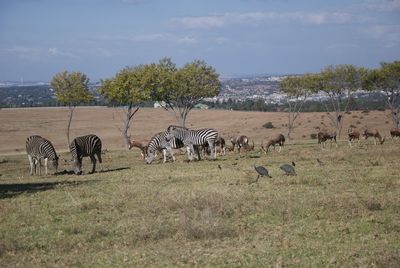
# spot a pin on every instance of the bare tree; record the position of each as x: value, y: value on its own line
x: 71, y: 89
x: 387, y: 80
x: 128, y: 88
x: 297, y: 91
x: 339, y: 83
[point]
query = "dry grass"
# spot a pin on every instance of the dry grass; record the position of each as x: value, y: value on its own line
x: 343, y: 212
x: 18, y: 124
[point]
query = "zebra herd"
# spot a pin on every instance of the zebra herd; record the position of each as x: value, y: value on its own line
x: 174, y: 137
x: 39, y: 148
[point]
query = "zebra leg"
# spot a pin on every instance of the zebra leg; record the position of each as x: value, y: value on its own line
x: 45, y: 165
x: 32, y: 164
x: 172, y: 154
x: 39, y: 166
x: 190, y: 150
x: 213, y: 150
x: 164, y: 151
x: 100, y: 160
x: 93, y: 163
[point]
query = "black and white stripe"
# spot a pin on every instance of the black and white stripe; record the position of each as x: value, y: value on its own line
x: 38, y: 148
x: 89, y: 145
x: 191, y: 138
x: 159, y: 143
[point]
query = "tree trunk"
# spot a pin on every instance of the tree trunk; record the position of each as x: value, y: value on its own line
x: 395, y: 117
x: 71, y: 111
x: 131, y: 111
x: 125, y: 135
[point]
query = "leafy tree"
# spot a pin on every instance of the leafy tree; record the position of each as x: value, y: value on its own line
x: 297, y: 91
x: 339, y: 83
x: 71, y: 89
x: 130, y: 87
x: 387, y: 80
x: 179, y: 90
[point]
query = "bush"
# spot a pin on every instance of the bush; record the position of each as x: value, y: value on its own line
x: 268, y: 125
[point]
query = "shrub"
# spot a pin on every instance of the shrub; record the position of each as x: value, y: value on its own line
x: 268, y: 125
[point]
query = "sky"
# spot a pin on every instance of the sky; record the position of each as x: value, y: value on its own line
x: 39, y: 38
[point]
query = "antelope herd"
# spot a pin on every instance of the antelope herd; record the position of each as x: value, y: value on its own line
x: 203, y: 142
x: 241, y: 143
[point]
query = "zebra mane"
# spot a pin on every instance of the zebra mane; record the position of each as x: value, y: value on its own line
x: 175, y: 126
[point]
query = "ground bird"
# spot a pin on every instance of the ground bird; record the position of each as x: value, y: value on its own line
x: 262, y: 171
x: 320, y: 162
x: 289, y: 169
x: 219, y: 166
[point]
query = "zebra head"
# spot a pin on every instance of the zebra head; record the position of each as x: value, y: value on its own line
x: 54, y: 162
x: 150, y: 157
x: 76, y: 157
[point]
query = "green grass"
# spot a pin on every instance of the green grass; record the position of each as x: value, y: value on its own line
x: 344, y: 213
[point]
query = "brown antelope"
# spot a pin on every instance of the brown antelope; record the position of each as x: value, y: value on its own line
x: 220, y: 146
x: 278, y: 140
x: 141, y: 144
x: 323, y: 136
x: 353, y: 135
x: 240, y: 141
x: 394, y: 132
x: 375, y: 134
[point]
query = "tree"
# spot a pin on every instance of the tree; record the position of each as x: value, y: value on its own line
x: 339, y: 83
x: 129, y: 87
x: 179, y: 90
x: 296, y: 89
x: 71, y: 89
x: 387, y: 80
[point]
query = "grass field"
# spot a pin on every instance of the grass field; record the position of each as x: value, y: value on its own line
x: 17, y: 124
x: 345, y: 213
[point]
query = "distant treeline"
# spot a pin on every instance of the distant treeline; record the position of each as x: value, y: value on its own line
x: 374, y: 101
x: 42, y: 96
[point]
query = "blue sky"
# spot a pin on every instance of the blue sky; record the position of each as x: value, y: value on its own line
x: 39, y: 38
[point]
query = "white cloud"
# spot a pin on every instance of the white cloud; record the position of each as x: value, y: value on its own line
x: 53, y: 51
x: 382, y: 5
x: 226, y: 19
x: 388, y: 34
x: 187, y: 40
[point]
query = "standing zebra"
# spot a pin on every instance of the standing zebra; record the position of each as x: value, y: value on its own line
x: 38, y: 148
x: 191, y: 138
x: 89, y: 145
x: 159, y: 142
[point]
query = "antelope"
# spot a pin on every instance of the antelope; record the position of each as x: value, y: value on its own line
x: 353, y: 135
x: 375, y: 134
x: 141, y: 144
x: 394, y: 132
x: 278, y: 140
x: 323, y: 136
x: 240, y: 141
x: 220, y: 146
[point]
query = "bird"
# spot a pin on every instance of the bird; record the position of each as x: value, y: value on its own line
x: 219, y: 166
x: 320, y: 162
x: 289, y: 169
x: 262, y: 171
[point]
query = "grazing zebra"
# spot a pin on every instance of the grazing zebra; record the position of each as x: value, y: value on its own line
x: 38, y: 148
x: 159, y: 142
x: 191, y: 138
x: 89, y: 145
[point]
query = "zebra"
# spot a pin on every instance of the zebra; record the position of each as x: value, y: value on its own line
x: 191, y: 138
x: 159, y: 142
x: 89, y: 145
x: 38, y: 148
